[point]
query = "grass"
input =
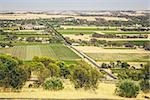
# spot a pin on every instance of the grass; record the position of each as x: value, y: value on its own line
x: 119, y: 48
x: 76, y: 31
x: 87, y: 27
x: 127, y: 57
x: 129, y: 32
x: 35, y: 35
x: 68, y: 62
x: 25, y: 32
x: 55, y: 51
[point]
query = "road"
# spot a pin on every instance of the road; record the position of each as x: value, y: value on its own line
x: 84, y: 56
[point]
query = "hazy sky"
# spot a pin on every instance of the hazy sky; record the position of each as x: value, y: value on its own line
x: 45, y: 5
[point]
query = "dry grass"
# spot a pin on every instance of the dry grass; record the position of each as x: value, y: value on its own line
x: 78, y: 37
x: 84, y: 27
x: 36, y: 16
x: 105, y: 55
x: 93, y: 49
x: 87, y: 37
x: 105, y: 90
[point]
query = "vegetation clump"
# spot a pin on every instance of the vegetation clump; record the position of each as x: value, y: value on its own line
x: 53, y: 84
x: 12, y: 75
x: 145, y: 85
x: 127, y: 88
x: 84, y: 76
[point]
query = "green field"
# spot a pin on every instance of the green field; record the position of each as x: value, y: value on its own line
x: 26, y: 32
x: 91, y: 31
x: 89, y: 27
x: 76, y: 31
x: 128, y: 32
x: 55, y: 51
x: 127, y: 57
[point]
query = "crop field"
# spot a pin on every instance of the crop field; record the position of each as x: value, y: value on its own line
x: 76, y: 31
x: 128, y: 32
x: 55, y: 51
x: 37, y: 16
x: 27, y: 32
x: 87, y: 27
x: 127, y: 57
x: 106, y: 55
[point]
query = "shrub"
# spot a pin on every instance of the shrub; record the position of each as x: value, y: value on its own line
x: 84, y: 76
x: 54, y: 70
x: 11, y: 74
x: 145, y: 85
x: 127, y: 88
x: 53, y: 84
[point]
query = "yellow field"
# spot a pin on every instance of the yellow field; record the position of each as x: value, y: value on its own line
x: 93, y: 49
x: 105, y: 90
x: 84, y: 27
x: 88, y: 37
x: 36, y: 16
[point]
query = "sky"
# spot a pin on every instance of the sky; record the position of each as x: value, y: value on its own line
x: 46, y: 5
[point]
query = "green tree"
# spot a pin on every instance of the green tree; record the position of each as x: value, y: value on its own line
x: 125, y: 65
x: 53, y: 84
x: 44, y: 60
x: 54, y: 70
x: 145, y: 85
x: 127, y: 88
x: 11, y: 74
x: 64, y: 69
x: 104, y: 65
x: 84, y: 76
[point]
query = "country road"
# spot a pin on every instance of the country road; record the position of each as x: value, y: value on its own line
x: 84, y: 56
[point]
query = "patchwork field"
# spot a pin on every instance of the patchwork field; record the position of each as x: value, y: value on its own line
x: 88, y: 37
x: 129, y: 32
x: 37, y: 16
x: 87, y: 27
x: 76, y: 31
x: 27, y: 52
x: 129, y: 55
x: 25, y: 32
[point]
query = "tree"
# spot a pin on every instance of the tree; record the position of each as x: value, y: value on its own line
x: 146, y: 71
x: 54, y: 70
x: 147, y: 46
x: 11, y: 74
x: 118, y: 63
x: 145, y: 85
x: 44, y: 60
x: 125, y: 65
x: 53, y: 84
x: 127, y: 88
x: 64, y: 69
x: 104, y: 65
x: 84, y: 76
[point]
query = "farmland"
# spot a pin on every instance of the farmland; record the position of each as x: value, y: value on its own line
x: 125, y: 57
x: 129, y: 32
x: 37, y: 16
x: 76, y: 31
x: 106, y: 55
x: 27, y: 52
x: 77, y: 51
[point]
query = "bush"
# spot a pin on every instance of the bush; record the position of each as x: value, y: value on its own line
x: 54, y: 70
x: 11, y: 74
x: 84, y: 76
x: 53, y: 84
x: 127, y: 88
x: 145, y: 85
